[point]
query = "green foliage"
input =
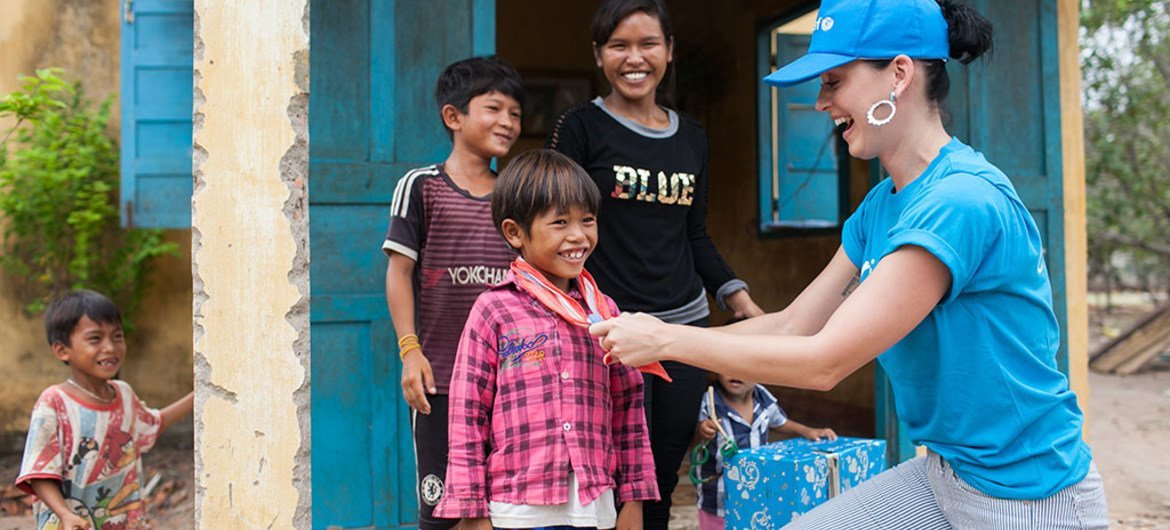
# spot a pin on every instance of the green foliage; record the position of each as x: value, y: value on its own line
x: 58, y: 199
x: 1126, y: 65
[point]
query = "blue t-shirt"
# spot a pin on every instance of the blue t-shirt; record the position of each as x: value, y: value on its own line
x: 977, y: 381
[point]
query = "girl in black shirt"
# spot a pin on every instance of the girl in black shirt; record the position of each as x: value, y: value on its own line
x: 653, y: 254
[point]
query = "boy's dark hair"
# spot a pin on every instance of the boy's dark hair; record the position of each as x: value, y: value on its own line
x: 612, y: 12
x: 62, y: 315
x: 463, y: 80
x: 538, y: 180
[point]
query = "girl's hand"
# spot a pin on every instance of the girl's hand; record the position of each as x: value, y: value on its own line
x: 742, y: 305
x: 633, y: 339
x: 817, y: 435
x: 630, y: 516
x: 417, y: 381
x: 707, y: 429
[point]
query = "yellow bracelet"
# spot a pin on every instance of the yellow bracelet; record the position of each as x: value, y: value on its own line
x: 406, y: 340
x: 402, y: 353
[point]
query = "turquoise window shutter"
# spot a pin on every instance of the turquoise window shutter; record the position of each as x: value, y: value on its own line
x: 802, y: 186
x: 156, y: 72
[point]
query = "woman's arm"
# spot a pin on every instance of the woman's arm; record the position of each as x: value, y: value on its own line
x: 808, y: 313
x: 896, y: 297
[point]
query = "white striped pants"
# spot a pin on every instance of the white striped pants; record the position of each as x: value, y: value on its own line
x: 924, y: 493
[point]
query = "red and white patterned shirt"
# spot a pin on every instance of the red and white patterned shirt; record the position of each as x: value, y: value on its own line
x: 94, y: 451
x: 531, y: 400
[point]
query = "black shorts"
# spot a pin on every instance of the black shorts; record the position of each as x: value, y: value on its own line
x: 430, y: 458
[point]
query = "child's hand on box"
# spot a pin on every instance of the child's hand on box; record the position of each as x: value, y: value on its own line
x: 707, y: 429
x: 817, y: 435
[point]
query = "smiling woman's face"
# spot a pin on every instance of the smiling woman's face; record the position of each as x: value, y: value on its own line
x: 847, y: 92
x: 635, y: 57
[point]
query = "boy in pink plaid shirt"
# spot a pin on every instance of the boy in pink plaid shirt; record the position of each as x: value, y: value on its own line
x: 543, y: 433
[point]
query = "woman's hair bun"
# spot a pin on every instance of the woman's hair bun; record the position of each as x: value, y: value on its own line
x: 969, y: 33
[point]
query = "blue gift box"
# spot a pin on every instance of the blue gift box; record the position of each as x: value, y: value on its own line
x: 768, y: 486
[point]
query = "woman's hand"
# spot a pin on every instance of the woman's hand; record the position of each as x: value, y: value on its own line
x: 633, y: 339
x: 742, y: 305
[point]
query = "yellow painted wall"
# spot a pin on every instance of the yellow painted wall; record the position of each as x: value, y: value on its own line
x: 82, y: 36
x: 250, y: 242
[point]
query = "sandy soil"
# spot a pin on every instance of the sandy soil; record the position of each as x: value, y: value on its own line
x: 1129, y: 431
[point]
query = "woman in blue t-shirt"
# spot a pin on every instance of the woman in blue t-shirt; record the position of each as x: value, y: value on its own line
x: 940, y: 276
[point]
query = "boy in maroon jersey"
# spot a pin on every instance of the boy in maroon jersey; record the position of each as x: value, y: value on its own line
x: 444, y: 250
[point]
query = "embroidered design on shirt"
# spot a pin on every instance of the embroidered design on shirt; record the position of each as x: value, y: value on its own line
x: 632, y: 183
x: 515, y: 349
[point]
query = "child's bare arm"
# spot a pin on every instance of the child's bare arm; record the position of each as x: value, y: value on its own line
x: 417, y: 378
x: 477, y: 523
x: 630, y: 516
x: 49, y: 491
x: 176, y: 410
x: 795, y: 428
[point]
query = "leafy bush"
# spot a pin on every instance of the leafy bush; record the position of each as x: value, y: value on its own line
x: 59, y: 203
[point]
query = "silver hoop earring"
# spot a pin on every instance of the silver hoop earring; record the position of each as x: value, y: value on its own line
x: 893, y: 110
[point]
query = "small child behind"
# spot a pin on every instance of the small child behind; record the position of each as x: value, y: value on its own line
x: 444, y: 251
x: 86, y: 437
x: 543, y: 433
x: 748, y: 412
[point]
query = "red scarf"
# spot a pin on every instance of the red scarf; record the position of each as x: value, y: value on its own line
x: 557, y: 301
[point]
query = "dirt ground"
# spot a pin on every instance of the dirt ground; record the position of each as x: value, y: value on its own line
x: 1129, y: 431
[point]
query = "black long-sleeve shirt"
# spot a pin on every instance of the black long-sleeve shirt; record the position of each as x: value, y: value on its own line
x: 654, y: 254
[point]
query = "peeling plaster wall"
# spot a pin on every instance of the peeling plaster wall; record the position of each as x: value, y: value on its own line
x: 82, y: 36
x: 250, y: 246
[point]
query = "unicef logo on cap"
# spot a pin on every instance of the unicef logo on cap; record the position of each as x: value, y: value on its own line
x: 823, y: 24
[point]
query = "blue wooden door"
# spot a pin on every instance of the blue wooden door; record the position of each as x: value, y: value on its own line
x: 371, y: 118
x: 1008, y: 107
x: 156, y: 73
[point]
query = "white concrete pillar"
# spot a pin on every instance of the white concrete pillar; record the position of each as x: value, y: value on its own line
x: 250, y: 247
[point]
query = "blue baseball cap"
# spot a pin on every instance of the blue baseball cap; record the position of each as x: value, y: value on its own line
x: 847, y: 30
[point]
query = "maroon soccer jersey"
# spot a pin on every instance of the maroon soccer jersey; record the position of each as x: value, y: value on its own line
x: 458, y: 253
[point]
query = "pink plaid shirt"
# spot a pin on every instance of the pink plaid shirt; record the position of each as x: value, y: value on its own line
x: 531, y: 400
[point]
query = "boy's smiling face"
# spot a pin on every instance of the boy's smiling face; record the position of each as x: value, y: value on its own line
x: 557, y: 244
x: 489, y: 128
x: 95, y: 351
